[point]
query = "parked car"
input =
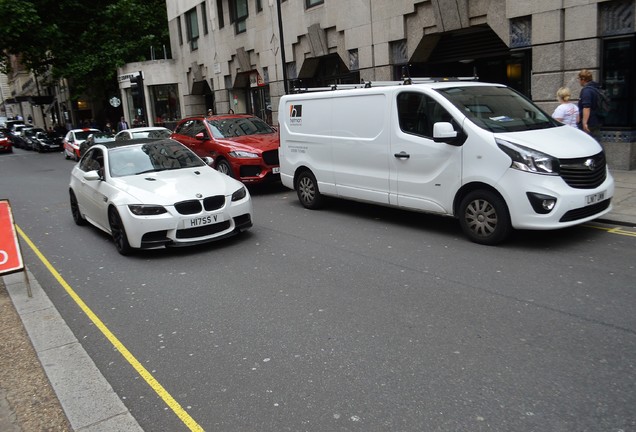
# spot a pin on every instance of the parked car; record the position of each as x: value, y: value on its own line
x: 73, y: 140
x: 154, y: 132
x: 95, y: 138
x: 16, y: 141
x: 22, y: 140
x: 40, y: 140
x: 156, y: 193
x: 243, y: 146
x: 5, y: 144
x: 11, y: 124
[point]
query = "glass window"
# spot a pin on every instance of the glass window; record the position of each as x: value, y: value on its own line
x: 618, y: 64
x: 238, y: 14
x: 164, y: 102
x: 179, y: 31
x: 219, y: 13
x: 311, y: 3
x: 204, y: 14
x: 259, y: 5
x: 192, y: 27
x: 498, y: 109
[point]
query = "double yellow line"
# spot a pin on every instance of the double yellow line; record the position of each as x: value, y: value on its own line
x: 147, y: 376
x: 615, y: 230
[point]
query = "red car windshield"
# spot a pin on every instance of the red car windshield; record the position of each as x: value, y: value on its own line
x: 236, y: 127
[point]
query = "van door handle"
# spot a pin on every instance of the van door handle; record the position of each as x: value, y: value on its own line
x: 402, y: 155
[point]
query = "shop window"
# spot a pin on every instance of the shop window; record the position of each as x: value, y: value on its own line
x: 238, y: 15
x: 192, y: 28
x: 164, y: 102
x: 618, y: 81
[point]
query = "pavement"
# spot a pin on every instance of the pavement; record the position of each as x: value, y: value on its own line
x: 87, y: 399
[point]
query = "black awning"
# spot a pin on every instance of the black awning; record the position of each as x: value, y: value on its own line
x: 201, y: 88
x: 33, y: 100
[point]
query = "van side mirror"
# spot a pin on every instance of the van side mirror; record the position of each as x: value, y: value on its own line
x: 443, y: 132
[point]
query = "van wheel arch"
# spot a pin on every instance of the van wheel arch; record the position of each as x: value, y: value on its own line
x: 306, y: 187
x: 483, y: 214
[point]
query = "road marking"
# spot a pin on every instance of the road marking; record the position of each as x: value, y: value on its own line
x: 615, y: 230
x: 147, y: 376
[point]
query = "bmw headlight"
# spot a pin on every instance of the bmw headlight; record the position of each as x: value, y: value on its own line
x: 146, y: 210
x: 239, y: 194
x: 243, y: 154
x: 529, y: 160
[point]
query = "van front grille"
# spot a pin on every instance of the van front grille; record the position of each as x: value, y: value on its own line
x: 584, y: 173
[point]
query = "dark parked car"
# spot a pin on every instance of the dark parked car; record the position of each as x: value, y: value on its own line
x: 40, y: 140
x: 243, y: 146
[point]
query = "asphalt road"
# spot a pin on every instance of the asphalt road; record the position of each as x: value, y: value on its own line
x: 356, y: 318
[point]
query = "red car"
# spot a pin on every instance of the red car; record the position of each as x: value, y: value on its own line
x: 242, y: 146
x: 5, y: 143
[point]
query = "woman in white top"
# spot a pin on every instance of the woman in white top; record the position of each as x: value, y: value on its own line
x: 566, y: 112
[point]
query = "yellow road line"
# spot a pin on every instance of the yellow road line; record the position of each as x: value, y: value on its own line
x: 615, y: 230
x: 152, y: 382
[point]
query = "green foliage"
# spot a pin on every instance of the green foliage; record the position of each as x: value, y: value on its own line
x: 82, y: 41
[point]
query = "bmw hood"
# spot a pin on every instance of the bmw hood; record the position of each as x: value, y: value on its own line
x: 560, y: 142
x: 171, y: 186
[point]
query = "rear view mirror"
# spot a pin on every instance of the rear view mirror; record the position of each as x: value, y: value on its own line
x: 443, y: 131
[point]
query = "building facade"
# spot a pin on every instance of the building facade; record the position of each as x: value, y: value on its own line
x: 238, y: 54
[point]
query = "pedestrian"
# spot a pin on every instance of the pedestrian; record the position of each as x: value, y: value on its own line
x: 231, y: 111
x: 108, y: 128
x: 588, y: 103
x: 122, y: 125
x: 210, y: 113
x: 566, y: 112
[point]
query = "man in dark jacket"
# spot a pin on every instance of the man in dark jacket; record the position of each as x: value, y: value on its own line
x: 588, y: 103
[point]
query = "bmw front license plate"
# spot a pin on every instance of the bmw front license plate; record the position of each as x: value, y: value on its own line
x: 203, y: 220
x: 594, y: 198
x: 276, y: 170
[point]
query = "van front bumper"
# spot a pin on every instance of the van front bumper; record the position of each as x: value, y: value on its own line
x: 573, y: 206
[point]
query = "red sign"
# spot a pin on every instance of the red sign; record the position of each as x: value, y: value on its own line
x: 10, y: 255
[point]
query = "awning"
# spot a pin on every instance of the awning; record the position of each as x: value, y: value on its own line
x: 33, y: 100
x: 201, y: 88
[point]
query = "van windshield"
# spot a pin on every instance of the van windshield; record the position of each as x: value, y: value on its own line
x: 498, y: 109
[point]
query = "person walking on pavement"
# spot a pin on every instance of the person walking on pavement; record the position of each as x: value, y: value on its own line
x: 588, y: 102
x: 566, y: 112
x: 122, y: 125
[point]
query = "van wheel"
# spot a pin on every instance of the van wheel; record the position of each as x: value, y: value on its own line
x: 484, y: 217
x: 307, y: 190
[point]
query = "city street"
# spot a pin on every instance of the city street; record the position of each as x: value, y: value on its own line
x: 352, y: 318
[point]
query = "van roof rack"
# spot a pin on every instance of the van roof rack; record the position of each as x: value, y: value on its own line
x: 369, y: 84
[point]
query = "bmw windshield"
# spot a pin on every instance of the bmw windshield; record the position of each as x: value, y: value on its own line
x: 498, y: 109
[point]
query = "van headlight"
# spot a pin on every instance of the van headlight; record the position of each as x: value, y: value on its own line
x: 529, y: 160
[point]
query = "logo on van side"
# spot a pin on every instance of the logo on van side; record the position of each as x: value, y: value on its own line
x: 295, y: 115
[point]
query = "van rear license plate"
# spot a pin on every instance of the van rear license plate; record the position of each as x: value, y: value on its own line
x: 594, y: 198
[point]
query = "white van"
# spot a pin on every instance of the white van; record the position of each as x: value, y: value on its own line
x: 480, y: 152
